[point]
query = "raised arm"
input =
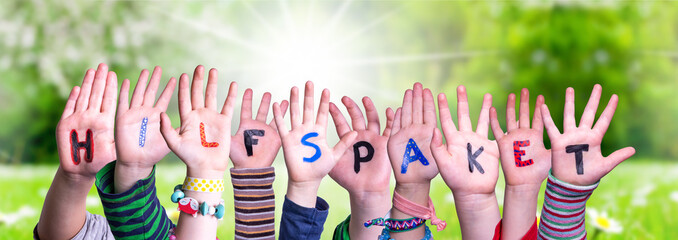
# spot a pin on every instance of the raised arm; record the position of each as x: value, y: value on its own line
x: 577, y: 165
x: 469, y: 164
x: 203, y: 144
x: 253, y: 149
x: 309, y: 159
x: 525, y: 163
x: 364, y: 169
x: 85, y: 144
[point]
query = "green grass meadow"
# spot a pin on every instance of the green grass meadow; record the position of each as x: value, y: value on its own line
x: 641, y: 195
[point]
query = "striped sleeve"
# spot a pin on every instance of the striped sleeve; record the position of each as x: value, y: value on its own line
x: 564, y: 208
x: 135, y: 213
x: 341, y: 231
x: 254, y: 203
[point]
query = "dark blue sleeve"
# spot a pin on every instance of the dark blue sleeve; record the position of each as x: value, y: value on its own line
x: 301, y: 223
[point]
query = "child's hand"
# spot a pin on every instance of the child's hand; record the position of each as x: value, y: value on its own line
x: 139, y: 143
x: 307, y: 155
x: 256, y: 143
x: 469, y: 162
x: 372, y: 176
x: 86, y: 125
x: 576, y: 155
x: 364, y: 169
x: 411, y: 138
x: 528, y: 168
x: 203, y: 141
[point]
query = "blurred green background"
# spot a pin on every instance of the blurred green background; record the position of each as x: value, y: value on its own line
x: 355, y: 48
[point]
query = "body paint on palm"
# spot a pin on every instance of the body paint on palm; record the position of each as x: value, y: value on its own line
x: 472, y: 158
x: 305, y: 142
x: 578, y: 155
x: 203, y: 138
x: 408, y: 158
x: 356, y: 154
x: 87, y: 145
x: 249, y: 140
x: 517, y: 153
x: 142, y: 132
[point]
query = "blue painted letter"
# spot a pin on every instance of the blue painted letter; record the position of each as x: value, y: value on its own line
x: 408, y: 158
x: 304, y: 141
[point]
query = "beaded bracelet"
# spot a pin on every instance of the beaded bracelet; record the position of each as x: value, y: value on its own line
x: 385, y: 235
x: 397, y: 225
x: 190, y: 205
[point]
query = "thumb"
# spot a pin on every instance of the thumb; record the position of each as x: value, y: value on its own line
x: 343, y: 144
x: 619, y: 156
x: 170, y: 134
x: 438, y: 149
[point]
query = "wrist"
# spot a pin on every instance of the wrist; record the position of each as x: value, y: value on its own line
x: 379, y: 199
x: 303, y: 193
x: 75, y: 179
x: 415, y: 192
x: 523, y: 189
x: 475, y: 201
x: 203, y: 172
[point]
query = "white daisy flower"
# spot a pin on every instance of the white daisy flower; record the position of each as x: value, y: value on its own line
x: 603, y: 222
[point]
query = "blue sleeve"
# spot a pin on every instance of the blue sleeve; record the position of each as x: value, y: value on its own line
x: 301, y: 223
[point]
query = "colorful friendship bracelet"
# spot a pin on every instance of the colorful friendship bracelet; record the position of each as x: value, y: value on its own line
x: 190, y: 205
x: 386, y: 235
x: 396, y: 225
x: 413, y: 209
x: 203, y: 185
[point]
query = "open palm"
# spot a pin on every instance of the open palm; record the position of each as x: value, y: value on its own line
x: 139, y: 141
x: 469, y: 161
x: 415, y: 120
x: 203, y: 140
x: 373, y: 175
x: 267, y: 146
x: 89, y: 108
x: 584, y: 139
x: 534, y: 163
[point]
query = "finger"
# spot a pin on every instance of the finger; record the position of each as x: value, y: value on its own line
x: 85, y: 89
x: 323, y: 108
x: 343, y: 144
x: 406, y: 115
x: 339, y: 121
x: 568, y: 115
x: 138, y: 94
x: 110, y: 94
x: 445, y: 117
x: 418, y: 104
x: 357, y: 119
x: 197, y: 100
x: 606, y: 117
x: 308, y: 103
x: 152, y: 89
x: 246, y: 107
x: 373, y: 123
x: 184, y: 97
x: 524, y: 111
x: 591, y: 107
x: 166, y: 95
x: 396, y: 121
x: 283, y: 107
x: 463, y: 116
x: 511, y: 123
x: 494, y: 122
x: 295, y: 115
x: 229, y: 104
x: 429, y: 108
x: 211, y: 91
x: 618, y: 157
x: 279, y: 121
x: 537, y: 122
x: 98, y: 87
x: 551, y: 128
x: 264, y: 106
x: 69, y: 109
x: 390, y: 115
x: 439, y: 151
x: 484, y: 117
x: 170, y: 134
